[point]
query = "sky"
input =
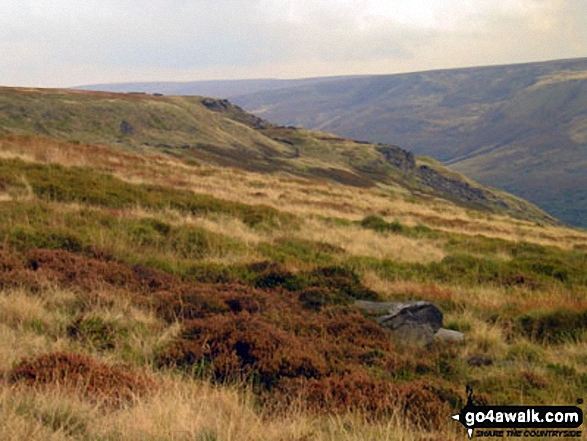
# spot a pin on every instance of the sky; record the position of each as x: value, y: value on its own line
x: 61, y: 43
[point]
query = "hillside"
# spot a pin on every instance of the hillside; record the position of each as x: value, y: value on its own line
x: 512, y: 127
x: 217, y: 132
x: 170, y: 270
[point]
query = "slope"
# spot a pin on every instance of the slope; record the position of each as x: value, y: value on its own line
x: 514, y: 127
x: 217, y: 132
x: 147, y: 293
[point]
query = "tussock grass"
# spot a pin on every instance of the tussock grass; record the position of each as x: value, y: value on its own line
x: 293, y: 195
x: 359, y: 241
x: 19, y: 344
x: 19, y: 310
x: 184, y: 409
x: 144, y: 229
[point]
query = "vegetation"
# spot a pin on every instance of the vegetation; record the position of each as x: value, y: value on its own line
x: 149, y: 297
x: 204, y: 130
x: 512, y: 127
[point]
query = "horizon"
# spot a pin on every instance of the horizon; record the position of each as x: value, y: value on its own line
x: 212, y: 80
x: 66, y: 44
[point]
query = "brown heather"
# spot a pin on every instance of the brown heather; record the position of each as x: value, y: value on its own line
x: 99, y: 382
x: 220, y: 306
x: 233, y: 333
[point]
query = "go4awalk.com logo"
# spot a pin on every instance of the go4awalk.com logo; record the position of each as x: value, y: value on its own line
x: 520, y: 421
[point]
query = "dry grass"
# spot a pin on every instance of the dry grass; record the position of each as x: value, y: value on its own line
x: 184, y: 409
x: 19, y: 310
x: 18, y: 344
x: 358, y: 241
x: 31, y: 324
x: 34, y: 322
x: 482, y: 297
x: 353, y: 239
x: 295, y: 195
x: 189, y: 410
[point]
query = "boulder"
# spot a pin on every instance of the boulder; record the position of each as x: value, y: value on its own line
x: 415, y: 322
x: 449, y: 335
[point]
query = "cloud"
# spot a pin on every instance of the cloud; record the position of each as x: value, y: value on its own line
x: 66, y: 42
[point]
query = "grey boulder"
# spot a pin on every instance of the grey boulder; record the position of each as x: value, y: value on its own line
x: 415, y: 322
x: 449, y: 335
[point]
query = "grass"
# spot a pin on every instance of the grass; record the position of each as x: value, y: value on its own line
x: 445, y: 113
x: 183, y: 409
x: 56, y: 183
x: 214, y: 132
x: 241, y: 311
x: 289, y: 195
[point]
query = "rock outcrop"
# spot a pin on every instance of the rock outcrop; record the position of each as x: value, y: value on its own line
x: 415, y: 322
x: 398, y: 157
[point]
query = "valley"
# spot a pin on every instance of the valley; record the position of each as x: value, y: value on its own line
x: 176, y: 268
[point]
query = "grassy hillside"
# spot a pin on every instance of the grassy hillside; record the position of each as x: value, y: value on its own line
x: 148, y: 295
x: 513, y: 127
x: 217, y: 132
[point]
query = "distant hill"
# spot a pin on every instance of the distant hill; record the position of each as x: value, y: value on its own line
x: 218, y: 132
x: 215, y: 88
x: 521, y: 128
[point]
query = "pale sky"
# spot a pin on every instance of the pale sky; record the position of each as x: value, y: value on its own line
x: 60, y: 43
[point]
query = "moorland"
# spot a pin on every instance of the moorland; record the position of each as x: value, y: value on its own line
x: 175, y: 268
x: 520, y: 128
